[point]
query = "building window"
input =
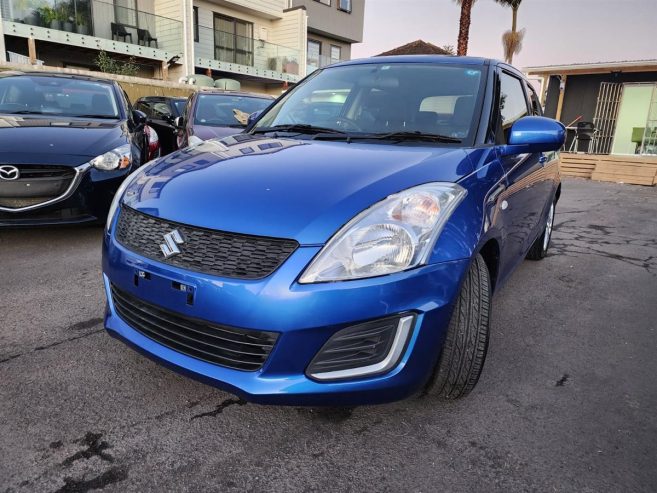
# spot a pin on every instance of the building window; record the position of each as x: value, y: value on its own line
x: 325, y: 2
x: 344, y: 5
x: 196, y: 24
x: 125, y: 12
x: 336, y: 53
x: 314, y: 54
x: 233, y: 40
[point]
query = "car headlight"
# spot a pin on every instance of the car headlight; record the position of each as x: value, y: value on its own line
x: 393, y: 235
x: 119, y: 194
x: 119, y: 158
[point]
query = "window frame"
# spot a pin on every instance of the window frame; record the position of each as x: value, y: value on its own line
x: 319, y: 54
x: 250, y: 54
x: 334, y: 60
x: 500, y: 138
x: 348, y: 11
x: 133, y: 8
x: 195, y: 23
x: 324, y: 2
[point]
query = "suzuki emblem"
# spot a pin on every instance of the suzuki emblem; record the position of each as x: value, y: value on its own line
x: 171, y: 241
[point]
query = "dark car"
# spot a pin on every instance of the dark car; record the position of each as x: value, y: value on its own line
x: 66, y: 144
x: 346, y: 248
x: 211, y: 114
x: 162, y: 112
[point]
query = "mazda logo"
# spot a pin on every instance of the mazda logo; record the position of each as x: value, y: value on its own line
x: 8, y: 172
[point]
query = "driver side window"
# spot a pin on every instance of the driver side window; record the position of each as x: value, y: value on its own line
x: 513, y: 103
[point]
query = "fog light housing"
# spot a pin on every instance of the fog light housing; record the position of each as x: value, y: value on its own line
x: 363, y: 350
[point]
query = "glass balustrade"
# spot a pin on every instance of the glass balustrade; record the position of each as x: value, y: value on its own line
x: 233, y: 48
x: 118, y: 21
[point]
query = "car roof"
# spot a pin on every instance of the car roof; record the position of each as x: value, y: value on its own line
x: 432, y: 59
x: 162, y: 98
x: 59, y: 75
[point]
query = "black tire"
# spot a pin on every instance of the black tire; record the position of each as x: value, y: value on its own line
x: 466, y: 343
x: 539, y: 249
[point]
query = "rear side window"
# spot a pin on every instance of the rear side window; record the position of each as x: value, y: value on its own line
x: 535, y: 102
x: 513, y: 102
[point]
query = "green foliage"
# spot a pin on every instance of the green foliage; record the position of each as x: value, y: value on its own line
x: 47, y: 14
x: 107, y: 64
x: 449, y: 49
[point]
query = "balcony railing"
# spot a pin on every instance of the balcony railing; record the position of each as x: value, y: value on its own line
x: 315, y: 62
x: 100, y: 19
x: 227, y: 47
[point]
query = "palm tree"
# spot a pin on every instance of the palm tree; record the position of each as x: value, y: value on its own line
x: 464, y: 26
x: 512, y: 40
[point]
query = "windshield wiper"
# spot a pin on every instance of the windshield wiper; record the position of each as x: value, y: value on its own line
x: 106, y: 117
x: 415, y: 135
x: 25, y: 112
x: 396, y: 136
x: 302, y: 128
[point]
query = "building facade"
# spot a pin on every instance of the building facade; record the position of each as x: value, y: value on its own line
x: 333, y: 26
x: 617, y: 99
x: 263, y: 44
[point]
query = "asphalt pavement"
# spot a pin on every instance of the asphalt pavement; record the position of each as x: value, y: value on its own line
x: 567, y: 400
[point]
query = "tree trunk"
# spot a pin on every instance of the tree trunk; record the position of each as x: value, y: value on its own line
x: 514, y: 25
x: 464, y: 27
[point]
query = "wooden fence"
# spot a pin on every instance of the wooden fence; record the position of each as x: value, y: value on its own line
x: 637, y: 170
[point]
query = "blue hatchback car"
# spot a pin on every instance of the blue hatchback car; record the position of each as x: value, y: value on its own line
x: 345, y: 248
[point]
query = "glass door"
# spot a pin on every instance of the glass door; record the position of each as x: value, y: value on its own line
x: 649, y: 143
x: 632, y: 118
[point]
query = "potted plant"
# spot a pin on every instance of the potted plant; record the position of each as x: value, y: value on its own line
x: 49, y: 17
x: 290, y: 66
x: 81, y: 24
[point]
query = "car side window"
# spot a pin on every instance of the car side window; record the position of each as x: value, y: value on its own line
x: 161, y: 111
x: 512, y: 101
x: 143, y: 106
x: 534, y: 101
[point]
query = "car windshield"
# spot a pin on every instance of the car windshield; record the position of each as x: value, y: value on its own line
x: 223, y: 110
x: 180, y: 105
x: 59, y: 96
x: 383, y: 99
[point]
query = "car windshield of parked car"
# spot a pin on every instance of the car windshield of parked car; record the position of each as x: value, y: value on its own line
x: 180, y: 104
x: 221, y: 110
x: 57, y: 96
x: 384, y: 98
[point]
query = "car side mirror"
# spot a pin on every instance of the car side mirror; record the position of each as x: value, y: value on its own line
x: 252, y: 119
x: 534, y: 134
x: 139, y: 118
x: 179, y: 122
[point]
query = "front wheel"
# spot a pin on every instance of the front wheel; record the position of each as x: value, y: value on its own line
x: 540, y: 247
x: 466, y: 343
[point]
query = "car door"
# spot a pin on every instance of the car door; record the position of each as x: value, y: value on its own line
x: 162, y: 121
x: 523, y: 200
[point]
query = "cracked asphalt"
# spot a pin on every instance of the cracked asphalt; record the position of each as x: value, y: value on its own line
x: 567, y: 400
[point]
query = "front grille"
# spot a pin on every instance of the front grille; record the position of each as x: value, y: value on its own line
x: 211, y: 252
x: 226, y: 346
x: 36, y: 184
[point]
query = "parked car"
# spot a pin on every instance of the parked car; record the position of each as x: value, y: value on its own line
x: 66, y: 144
x: 212, y: 114
x: 161, y: 113
x: 340, y: 257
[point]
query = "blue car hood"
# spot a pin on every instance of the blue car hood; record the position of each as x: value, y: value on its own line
x: 304, y: 190
x: 57, y: 140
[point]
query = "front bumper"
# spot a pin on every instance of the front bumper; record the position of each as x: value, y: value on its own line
x: 88, y: 201
x: 305, y: 316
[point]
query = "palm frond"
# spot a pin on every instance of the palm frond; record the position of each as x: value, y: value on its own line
x: 512, y: 43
